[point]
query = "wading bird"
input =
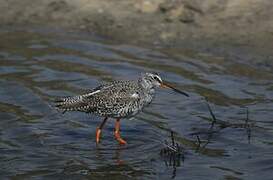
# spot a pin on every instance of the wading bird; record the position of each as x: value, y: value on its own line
x: 119, y: 99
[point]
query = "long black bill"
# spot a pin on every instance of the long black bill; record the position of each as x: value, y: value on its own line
x: 165, y: 85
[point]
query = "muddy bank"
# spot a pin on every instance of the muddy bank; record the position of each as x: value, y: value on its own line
x: 151, y: 21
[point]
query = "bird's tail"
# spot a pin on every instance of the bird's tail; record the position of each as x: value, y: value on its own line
x: 73, y: 103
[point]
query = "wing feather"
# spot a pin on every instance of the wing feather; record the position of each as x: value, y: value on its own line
x: 107, y: 100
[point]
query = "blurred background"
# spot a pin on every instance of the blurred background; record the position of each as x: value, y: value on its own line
x: 151, y: 21
x: 218, y: 51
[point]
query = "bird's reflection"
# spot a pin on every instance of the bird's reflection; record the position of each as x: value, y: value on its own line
x: 115, y: 162
x: 104, y: 154
x: 118, y: 155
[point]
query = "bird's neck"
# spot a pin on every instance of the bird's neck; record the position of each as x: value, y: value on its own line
x: 146, y: 86
x: 148, y: 91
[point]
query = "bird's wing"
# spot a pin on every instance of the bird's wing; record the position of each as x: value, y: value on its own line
x: 77, y: 103
x: 105, y: 99
x: 109, y: 100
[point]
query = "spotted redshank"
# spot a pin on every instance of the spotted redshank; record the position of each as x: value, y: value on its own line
x: 119, y: 99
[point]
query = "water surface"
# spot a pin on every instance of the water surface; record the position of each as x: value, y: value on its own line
x: 37, y: 141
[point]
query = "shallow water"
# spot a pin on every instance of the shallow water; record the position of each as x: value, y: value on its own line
x: 36, y: 141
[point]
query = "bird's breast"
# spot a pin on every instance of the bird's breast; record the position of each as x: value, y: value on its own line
x: 148, y: 97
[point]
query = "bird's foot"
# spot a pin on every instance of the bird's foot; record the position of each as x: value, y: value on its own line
x: 98, y: 132
x: 119, y: 139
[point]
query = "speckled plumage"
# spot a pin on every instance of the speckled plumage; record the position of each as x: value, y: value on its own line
x: 118, y: 99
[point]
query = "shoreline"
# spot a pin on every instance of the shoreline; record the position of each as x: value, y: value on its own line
x: 164, y: 22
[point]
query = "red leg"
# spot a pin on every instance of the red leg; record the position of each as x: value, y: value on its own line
x: 117, y: 133
x: 98, y: 130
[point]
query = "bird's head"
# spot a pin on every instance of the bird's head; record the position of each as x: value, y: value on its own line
x: 154, y: 80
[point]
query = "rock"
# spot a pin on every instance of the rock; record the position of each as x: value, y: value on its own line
x: 147, y: 6
x: 166, y: 6
x: 179, y: 13
x: 187, y: 16
x: 174, y: 13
